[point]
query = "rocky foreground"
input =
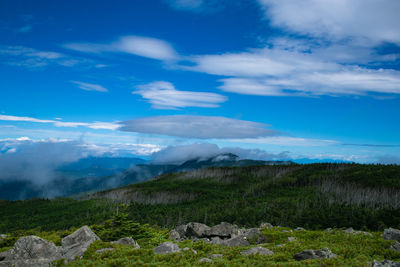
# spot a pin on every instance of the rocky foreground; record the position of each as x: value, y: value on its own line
x: 34, y: 251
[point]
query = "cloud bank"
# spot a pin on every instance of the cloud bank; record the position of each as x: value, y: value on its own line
x: 180, y: 154
x: 201, y: 127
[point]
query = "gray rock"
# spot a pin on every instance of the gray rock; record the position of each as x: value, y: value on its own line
x: 27, y: 263
x: 216, y: 240
x: 2, y: 236
x: 291, y: 238
x: 280, y: 245
x: 75, y: 244
x: 126, y: 241
x: 166, y: 248
x: 197, y: 230
x: 33, y: 247
x: 396, y: 246
x: 324, y: 253
x: 214, y: 256
x: 299, y: 229
x: 101, y: 251
x: 181, y: 229
x: 236, y: 241
x: 391, y: 234
x: 223, y: 229
x: 265, y: 225
x: 174, y: 235
x: 349, y: 231
x: 254, y: 235
x: 189, y: 249
x: 205, y: 260
x: 386, y: 263
x: 257, y: 250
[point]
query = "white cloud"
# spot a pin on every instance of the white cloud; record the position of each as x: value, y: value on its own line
x: 136, y: 45
x: 286, y: 141
x: 90, y: 86
x: 202, y: 127
x: 32, y: 58
x: 365, y: 20
x: 182, y: 153
x: 185, y: 4
x: 297, y: 68
x: 163, y: 95
x: 58, y: 123
x: 25, y: 29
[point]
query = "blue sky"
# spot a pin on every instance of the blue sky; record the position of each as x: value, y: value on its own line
x: 274, y: 79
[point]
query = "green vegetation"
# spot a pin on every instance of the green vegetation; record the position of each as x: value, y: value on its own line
x: 314, y: 196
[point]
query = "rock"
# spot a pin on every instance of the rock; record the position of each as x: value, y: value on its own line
x: 27, y: 263
x: 2, y: 236
x: 236, y: 241
x: 395, y: 246
x: 324, y: 253
x: 197, y: 230
x: 216, y: 240
x: 391, y: 234
x: 214, y: 256
x: 253, y: 235
x: 386, y: 263
x: 257, y: 250
x: 223, y: 229
x: 265, y: 225
x: 299, y: 229
x: 101, y: 251
x: 205, y: 260
x: 291, y: 238
x: 174, y: 235
x: 349, y: 230
x: 75, y: 244
x: 181, y: 229
x: 166, y: 248
x: 126, y: 241
x: 280, y: 245
x: 33, y: 247
x: 187, y: 249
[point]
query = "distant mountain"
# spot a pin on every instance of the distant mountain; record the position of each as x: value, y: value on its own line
x: 98, y: 166
x: 95, y: 174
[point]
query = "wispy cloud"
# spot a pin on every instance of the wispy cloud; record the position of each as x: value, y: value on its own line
x: 202, y: 127
x: 90, y: 86
x: 286, y: 69
x: 163, y: 95
x: 33, y: 58
x: 58, y: 123
x: 135, y: 45
x: 24, y: 29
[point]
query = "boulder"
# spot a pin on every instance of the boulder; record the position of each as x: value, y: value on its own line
x: 291, y: 238
x: 236, y: 241
x: 27, y: 263
x: 395, y: 246
x: 75, y: 244
x: 189, y: 249
x: 181, y: 229
x: 126, y: 241
x: 197, y: 230
x: 166, y: 248
x: 349, y: 231
x: 216, y: 240
x: 214, y: 256
x: 223, y: 229
x: 205, y: 260
x: 386, y: 263
x: 33, y: 247
x: 101, y: 251
x: 254, y: 235
x: 391, y: 234
x: 352, y: 231
x: 299, y: 229
x: 265, y: 225
x: 174, y: 235
x: 257, y: 250
x: 324, y: 253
